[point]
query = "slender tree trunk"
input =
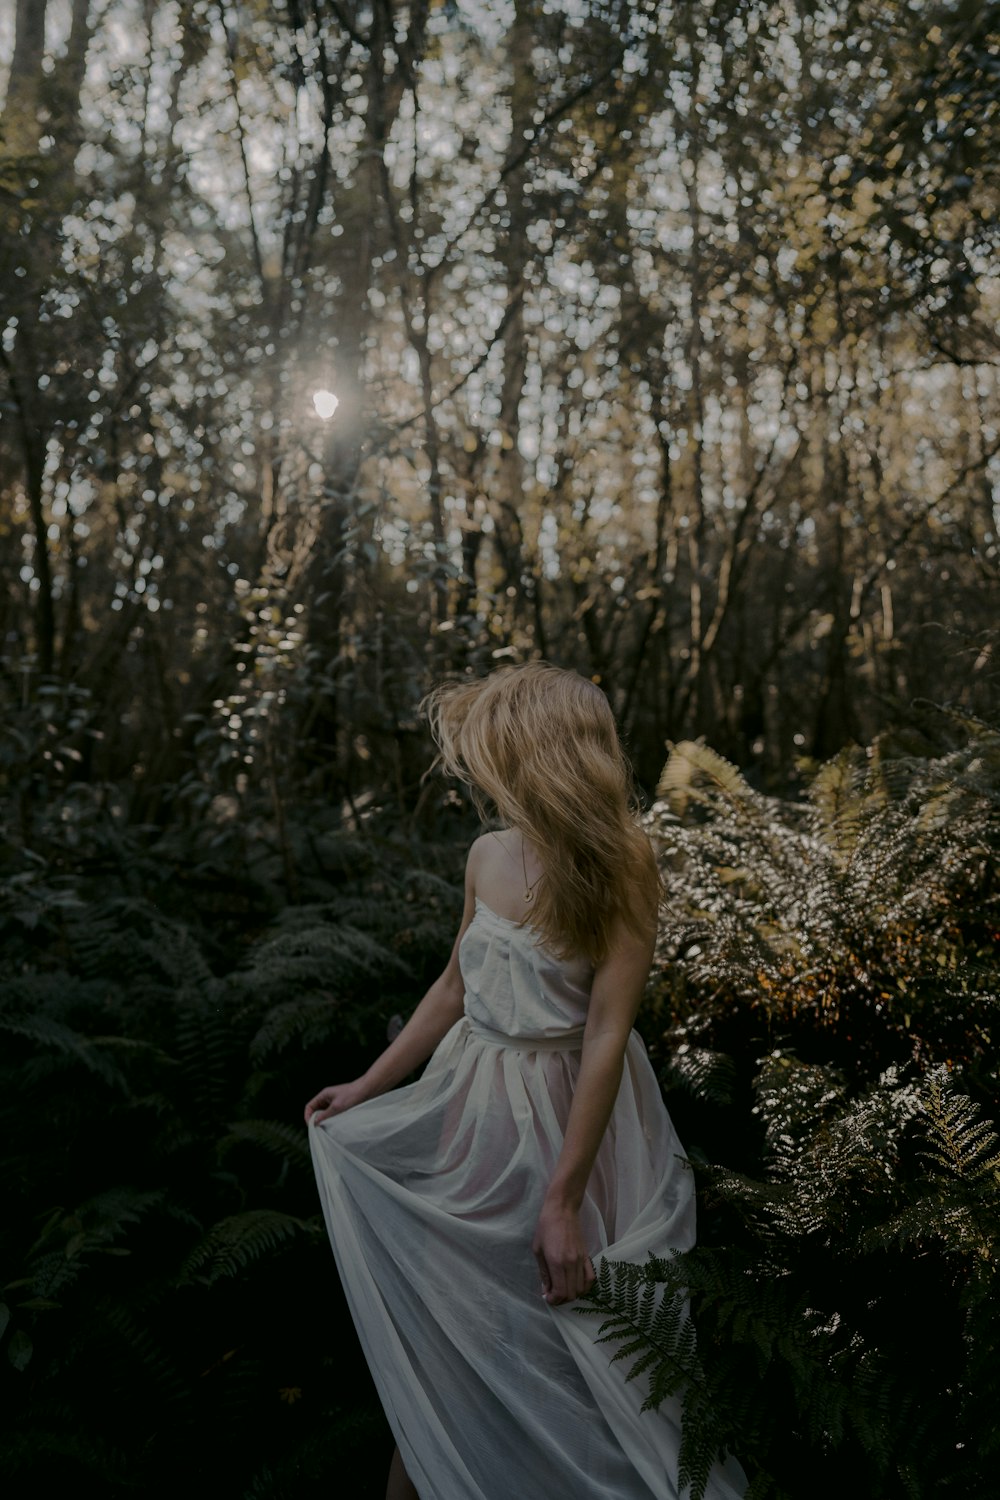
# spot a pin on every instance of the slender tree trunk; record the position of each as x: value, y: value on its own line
x: 71, y: 71
x: 33, y: 446
x: 22, y: 127
x: 835, y: 721
x: 696, y: 525
x: 34, y: 469
x: 510, y: 466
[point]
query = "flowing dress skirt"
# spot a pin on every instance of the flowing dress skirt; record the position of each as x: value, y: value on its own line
x: 431, y: 1195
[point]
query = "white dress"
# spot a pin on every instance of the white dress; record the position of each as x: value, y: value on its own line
x: 431, y: 1195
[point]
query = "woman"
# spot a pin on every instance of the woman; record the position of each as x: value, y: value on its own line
x: 466, y: 1210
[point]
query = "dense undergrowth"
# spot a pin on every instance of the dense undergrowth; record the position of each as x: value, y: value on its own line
x: 172, y: 1311
x: 826, y: 998
x: 821, y: 1013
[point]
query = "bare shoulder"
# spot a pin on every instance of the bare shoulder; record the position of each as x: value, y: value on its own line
x: 478, y: 852
x: 480, y: 845
x: 487, y: 850
x: 482, y: 851
x: 472, y: 864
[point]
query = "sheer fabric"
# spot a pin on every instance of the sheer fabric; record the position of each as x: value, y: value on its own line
x: 431, y: 1194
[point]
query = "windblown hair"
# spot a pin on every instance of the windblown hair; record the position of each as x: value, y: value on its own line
x: 540, y: 745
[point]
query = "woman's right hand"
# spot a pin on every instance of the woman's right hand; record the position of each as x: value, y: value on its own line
x: 334, y: 1100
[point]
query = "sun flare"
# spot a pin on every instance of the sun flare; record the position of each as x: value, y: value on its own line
x: 326, y: 404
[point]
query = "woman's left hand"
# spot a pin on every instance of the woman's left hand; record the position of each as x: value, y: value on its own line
x: 566, y: 1269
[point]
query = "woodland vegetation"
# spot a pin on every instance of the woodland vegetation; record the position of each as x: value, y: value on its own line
x: 663, y: 342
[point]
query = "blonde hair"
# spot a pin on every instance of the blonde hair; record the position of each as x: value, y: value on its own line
x: 540, y: 744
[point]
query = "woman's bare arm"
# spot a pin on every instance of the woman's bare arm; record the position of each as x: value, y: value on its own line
x: 617, y: 989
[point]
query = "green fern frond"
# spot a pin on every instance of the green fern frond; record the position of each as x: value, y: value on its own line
x: 28, y: 994
x: 54, y: 1273
x: 793, y: 1099
x: 644, y: 1316
x: 58, y: 1041
x: 689, y: 759
x: 288, y: 1144
x: 324, y: 958
x: 147, y: 1359
x: 307, y: 1022
x: 961, y: 1142
x: 338, y: 945
x: 46, y: 1032
x: 419, y: 884
x: 837, y: 795
x: 704, y: 1073
x: 131, y: 940
x: 205, y: 1050
x: 99, y: 1220
x: 71, y: 1240
x: 238, y: 1242
x: 645, y: 1310
x: 31, y: 1451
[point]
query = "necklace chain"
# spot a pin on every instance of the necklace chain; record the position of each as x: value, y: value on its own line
x: 529, y: 890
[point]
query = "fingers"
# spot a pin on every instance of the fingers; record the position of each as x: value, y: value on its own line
x: 334, y: 1100
x: 544, y: 1273
x: 317, y: 1103
x: 564, y: 1283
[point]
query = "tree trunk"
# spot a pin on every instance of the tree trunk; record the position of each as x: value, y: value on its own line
x: 510, y: 466
x: 22, y: 127
x: 71, y: 72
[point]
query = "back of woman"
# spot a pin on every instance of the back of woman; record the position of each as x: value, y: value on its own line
x: 466, y: 1210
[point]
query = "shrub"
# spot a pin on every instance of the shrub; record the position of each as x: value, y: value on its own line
x: 823, y: 1005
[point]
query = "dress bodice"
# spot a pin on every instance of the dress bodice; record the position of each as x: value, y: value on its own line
x: 515, y: 985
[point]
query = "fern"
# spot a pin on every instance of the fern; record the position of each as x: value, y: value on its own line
x: 961, y: 1143
x: 129, y: 1246
x: 58, y: 1044
x: 70, y: 1240
x: 837, y: 795
x: 238, y: 1242
x: 794, y: 1099
x: 690, y: 763
x: 130, y: 940
x: 961, y: 1210
x: 290, y: 1145
x: 644, y: 1311
x: 305, y: 1023
x: 317, y: 956
x: 707, y: 1074
x: 777, y: 1371
x: 31, y: 1451
x: 204, y: 1039
x: 842, y: 908
x: 139, y: 1353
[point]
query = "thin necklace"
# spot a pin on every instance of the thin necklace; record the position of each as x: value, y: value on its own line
x: 529, y: 890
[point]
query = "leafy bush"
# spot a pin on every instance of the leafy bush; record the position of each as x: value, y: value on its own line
x: 171, y: 1311
x: 824, y: 999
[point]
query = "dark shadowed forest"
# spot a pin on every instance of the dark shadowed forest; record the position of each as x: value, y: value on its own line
x: 346, y: 345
